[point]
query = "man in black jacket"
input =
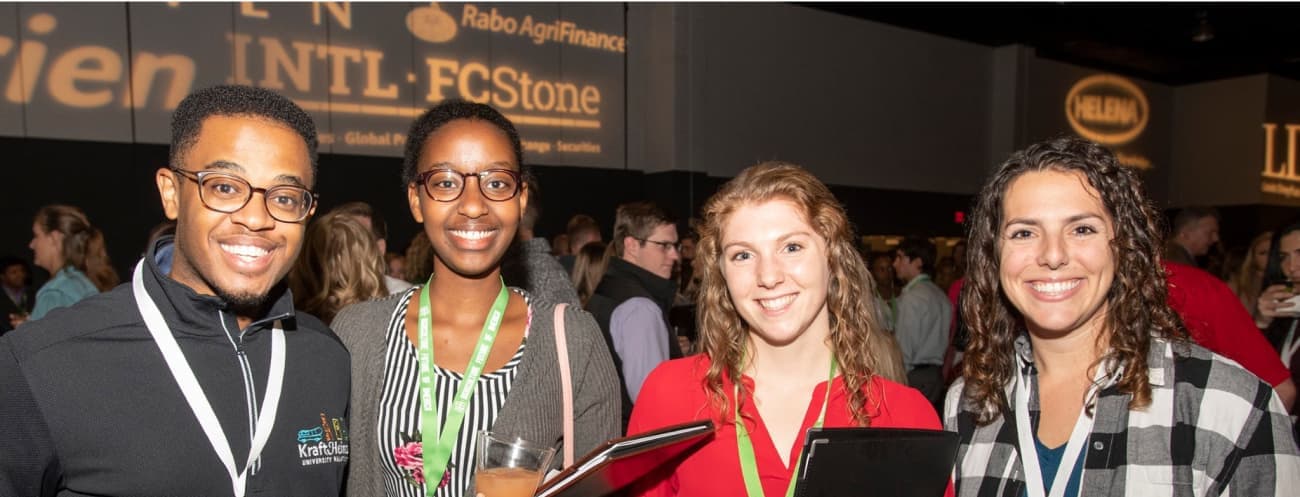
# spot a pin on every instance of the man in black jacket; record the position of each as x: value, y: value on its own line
x: 203, y: 381
x: 631, y: 302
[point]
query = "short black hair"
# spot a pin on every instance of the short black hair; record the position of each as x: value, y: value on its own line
x: 446, y: 112
x: 236, y: 100
x: 1189, y: 216
x: 9, y: 260
x: 915, y: 247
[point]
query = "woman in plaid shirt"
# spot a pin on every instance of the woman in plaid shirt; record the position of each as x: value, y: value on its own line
x: 1079, y: 380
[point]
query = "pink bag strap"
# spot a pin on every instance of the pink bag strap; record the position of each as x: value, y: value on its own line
x: 566, y: 383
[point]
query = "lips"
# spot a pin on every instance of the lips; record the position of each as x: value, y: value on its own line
x: 472, y: 237
x: 776, y: 304
x: 247, y: 254
x: 1055, y: 289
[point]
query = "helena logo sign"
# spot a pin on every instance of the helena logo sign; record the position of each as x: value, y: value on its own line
x: 1107, y: 109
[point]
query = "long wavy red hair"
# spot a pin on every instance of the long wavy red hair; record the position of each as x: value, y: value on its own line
x: 724, y: 334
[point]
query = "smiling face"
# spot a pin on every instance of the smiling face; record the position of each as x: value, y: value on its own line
x: 777, y: 271
x: 1054, y: 257
x: 238, y: 256
x: 470, y: 235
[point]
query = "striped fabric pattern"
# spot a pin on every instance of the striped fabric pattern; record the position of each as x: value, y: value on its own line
x: 399, y: 408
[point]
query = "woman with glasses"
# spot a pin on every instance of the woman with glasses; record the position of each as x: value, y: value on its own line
x: 463, y: 334
x: 1079, y: 379
x: 73, y: 251
x: 786, y: 341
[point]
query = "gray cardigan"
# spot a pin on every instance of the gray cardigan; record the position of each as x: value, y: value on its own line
x: 533, y: 410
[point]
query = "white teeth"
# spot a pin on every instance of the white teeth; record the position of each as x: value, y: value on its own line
x: 776, y: 303
x: 1056, y: 287
x: 248, y: 251
x: 472, y: 235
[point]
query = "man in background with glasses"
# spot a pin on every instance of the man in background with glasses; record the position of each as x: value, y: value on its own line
x: 203, y: 380
x: 633, y: 299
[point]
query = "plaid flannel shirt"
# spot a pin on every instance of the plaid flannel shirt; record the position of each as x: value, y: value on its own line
x: 1212, y: 428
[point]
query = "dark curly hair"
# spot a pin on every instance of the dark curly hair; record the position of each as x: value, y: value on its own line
x: 1136, y: 300
x: 448, y: 111
x: 235, y: 100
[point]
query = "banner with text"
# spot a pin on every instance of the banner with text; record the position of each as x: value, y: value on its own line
x: 115, y: 72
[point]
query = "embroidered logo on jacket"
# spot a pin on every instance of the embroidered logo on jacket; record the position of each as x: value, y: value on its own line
x: 324, y: 443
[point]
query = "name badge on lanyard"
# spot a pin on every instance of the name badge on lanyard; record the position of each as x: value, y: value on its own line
x: 1073, y: 448
x: 198, y: 401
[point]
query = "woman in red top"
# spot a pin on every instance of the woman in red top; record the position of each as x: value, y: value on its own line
x: 784, y: 304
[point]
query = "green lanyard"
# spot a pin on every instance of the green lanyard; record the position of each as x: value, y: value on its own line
x: 749, y: 464
x: 435, y: 460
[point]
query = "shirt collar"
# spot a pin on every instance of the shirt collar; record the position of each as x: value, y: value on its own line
x: 1160, y: 361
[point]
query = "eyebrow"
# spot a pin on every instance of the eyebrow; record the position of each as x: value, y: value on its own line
x: 1035, y: 222
x: 490, y: 165
x: 234, y: 167
x: 779, y: 239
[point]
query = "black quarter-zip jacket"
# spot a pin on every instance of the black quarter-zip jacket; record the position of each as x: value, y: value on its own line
x: 89, y: 407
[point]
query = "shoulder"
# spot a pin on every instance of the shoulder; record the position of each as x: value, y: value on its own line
x: 92, y: 315
x: 1198, y: 369
x: 309, y: 327
x: 904, y: 405
x: 365, y: 319
x: 672, y: 393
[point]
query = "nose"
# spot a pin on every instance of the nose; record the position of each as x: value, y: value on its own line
x: 471, y: 203
x: 770, y: 272
x: 1052, y: 252
x: 253, y: 215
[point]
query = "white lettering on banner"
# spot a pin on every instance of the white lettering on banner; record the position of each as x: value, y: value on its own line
x: 557, y: 31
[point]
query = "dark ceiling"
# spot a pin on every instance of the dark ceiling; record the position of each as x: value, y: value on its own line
x: 1153, y: 41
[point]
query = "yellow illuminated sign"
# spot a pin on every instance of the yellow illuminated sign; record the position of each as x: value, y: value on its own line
x: 1280, y: 178
x: 358, y: 78
x: 1107, y: 109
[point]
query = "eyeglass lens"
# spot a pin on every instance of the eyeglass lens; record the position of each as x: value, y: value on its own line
x: 229, y: 194
x: 445, y: 185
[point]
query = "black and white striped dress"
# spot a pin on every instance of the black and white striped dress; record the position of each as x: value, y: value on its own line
x: 399, y: 408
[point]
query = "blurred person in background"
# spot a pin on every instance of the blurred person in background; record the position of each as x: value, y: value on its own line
x: 339, y: 265
x: 588, y: 269
x: 579, y: 231
x: 1247, y: 281
x: 396, y: 264
x: 419, y: 258
x: 1193, y: 232
x: 19, y: 294
x: 73, y: 251
x: 378, y: 228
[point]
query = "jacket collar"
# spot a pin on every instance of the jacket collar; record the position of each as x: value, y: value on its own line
x: 192, y: 313
x: 661, y: 289
x: 1160, y: 361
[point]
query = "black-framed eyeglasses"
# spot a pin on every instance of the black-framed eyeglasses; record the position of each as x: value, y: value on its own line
x: 227, y: 193
x: 446, y: 185
x: 663, y: 245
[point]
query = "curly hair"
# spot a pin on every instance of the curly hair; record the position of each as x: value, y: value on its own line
x: 1136, y: 300
x: 340, y: 265
x: 83, y: 244
x: 723, y: 332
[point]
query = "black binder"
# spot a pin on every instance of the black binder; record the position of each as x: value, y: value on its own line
x: 621, y: 461
x: 866, y: 462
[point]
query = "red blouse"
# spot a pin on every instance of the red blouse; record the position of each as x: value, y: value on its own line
x: 674, y: 393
